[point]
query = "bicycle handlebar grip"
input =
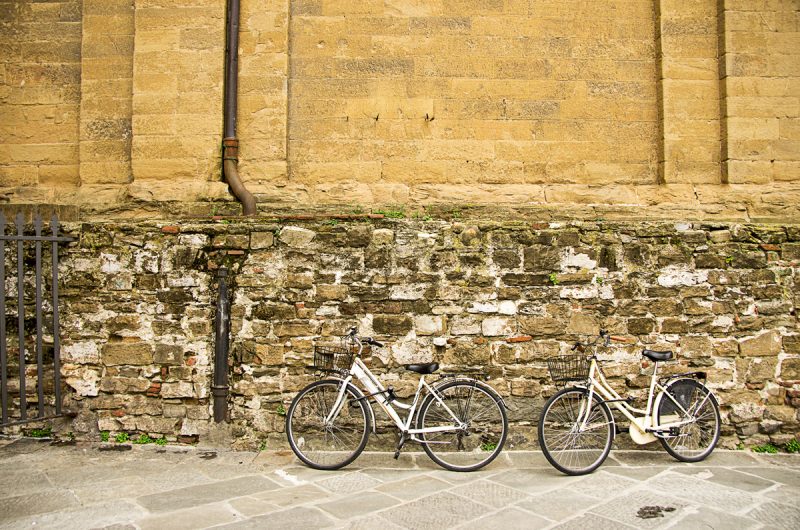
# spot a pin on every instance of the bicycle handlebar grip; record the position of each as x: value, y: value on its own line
x: 373, y: 342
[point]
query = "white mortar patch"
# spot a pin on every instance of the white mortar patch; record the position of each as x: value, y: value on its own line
x: 674, y: 277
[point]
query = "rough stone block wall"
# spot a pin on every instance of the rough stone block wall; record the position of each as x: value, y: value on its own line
x: 40, y: 95
x: 761, y: 66
x: 138, y: 310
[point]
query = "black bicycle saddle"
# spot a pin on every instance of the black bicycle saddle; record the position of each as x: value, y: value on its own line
x: 427, y: 368
x: 657, y: 355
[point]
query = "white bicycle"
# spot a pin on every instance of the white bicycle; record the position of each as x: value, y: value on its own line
x: 576, y: 427
x: 461, y: 422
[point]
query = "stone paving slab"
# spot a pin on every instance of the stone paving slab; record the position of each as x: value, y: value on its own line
x: 183, y: 487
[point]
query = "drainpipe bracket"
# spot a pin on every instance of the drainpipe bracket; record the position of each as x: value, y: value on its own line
x: 230, y: 148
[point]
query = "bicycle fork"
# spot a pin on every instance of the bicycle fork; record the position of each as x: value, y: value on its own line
x: 338, y: 404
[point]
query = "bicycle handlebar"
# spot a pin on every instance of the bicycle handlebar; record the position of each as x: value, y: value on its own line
x: 366, y: 340
x: 371, y: 341
x: 606, y: 338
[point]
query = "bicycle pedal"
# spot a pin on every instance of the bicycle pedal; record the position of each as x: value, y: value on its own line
x: 397, y: 454
x: 623, y: 430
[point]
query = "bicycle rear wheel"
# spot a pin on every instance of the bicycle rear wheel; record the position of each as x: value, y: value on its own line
x: 695, y: 404
x: 329, y: 445
x: 570, y: 444
x: 483, y: 415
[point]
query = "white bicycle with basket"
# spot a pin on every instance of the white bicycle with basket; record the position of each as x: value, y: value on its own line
x: 460, y: 422
x: 576, y: 427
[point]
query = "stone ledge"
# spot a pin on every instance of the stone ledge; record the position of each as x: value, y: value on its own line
x: 768, y: 203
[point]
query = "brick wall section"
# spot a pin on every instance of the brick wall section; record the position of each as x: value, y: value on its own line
x: 687, y: 39
x: 177, y: 91
x: 106, y: 87
x: 138, y: 304
x: 40, y: 76
x: 491, y: 92
x: 762, y: 90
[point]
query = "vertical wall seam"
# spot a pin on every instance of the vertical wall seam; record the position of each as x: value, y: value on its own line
x: 722, y: 61
x: 288, y: 87
x: 659, y: 66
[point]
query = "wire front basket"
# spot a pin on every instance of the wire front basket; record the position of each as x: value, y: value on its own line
x: 565, y: 368
x: 332, y: 358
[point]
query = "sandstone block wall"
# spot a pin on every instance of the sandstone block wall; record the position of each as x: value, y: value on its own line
x: 40, y: 95
x: 489, y: 92
x: 138, y: 307
x: 762, y: 91
x: 117, y: 105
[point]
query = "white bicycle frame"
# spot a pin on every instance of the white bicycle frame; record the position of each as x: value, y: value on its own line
x: 646, y: 426
x: 376, y: 389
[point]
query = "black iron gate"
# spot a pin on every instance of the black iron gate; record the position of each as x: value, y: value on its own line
x: 44, y: 349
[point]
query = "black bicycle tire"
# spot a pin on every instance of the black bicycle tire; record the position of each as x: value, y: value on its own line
x: 715, y: 405
x: 429, y: 399
x: 546, y: 451
x: 356, y: 393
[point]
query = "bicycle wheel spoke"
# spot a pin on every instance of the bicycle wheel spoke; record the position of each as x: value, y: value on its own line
x: 699, y: 426
x: 483, y: 420
x: 574, y: 442
x: 321, y: 444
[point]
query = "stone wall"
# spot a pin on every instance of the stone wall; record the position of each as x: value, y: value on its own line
x: 40, y: 96
x: 491, y: 92
x: 116, y: 106
x: 138, y: 308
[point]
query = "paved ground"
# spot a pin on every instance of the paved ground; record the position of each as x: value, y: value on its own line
x: 43, y: 486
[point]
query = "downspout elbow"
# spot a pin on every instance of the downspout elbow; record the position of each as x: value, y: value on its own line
x: 230, y: 169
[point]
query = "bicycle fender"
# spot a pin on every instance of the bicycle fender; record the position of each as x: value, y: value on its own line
x: 688, y: 377
x: 492, y: 392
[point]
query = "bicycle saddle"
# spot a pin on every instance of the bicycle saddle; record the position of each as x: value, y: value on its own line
x: 657, y: 355
x: 427, y: 368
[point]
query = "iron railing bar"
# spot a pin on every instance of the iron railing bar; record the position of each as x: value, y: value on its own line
x: 23, y: 405
x: 39, y: 354
x: 56, y: 331
x: 31, y: 420
x: 62, y: 239
x: 3, y: 352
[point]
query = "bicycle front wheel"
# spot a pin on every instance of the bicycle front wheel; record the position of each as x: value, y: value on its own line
x: 482, y: 431
x: 334, y: 443
x: 691, y: 405
x: 572, y: 441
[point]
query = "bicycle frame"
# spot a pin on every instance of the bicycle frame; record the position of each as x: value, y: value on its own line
x: 375, y: 389
x: 646, y: 424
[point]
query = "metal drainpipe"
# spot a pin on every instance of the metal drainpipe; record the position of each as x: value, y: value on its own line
x: 222, y: 322
x: 230, y: 144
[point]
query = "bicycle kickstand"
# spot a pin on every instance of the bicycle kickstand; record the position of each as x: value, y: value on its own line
x: 400, y: 445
